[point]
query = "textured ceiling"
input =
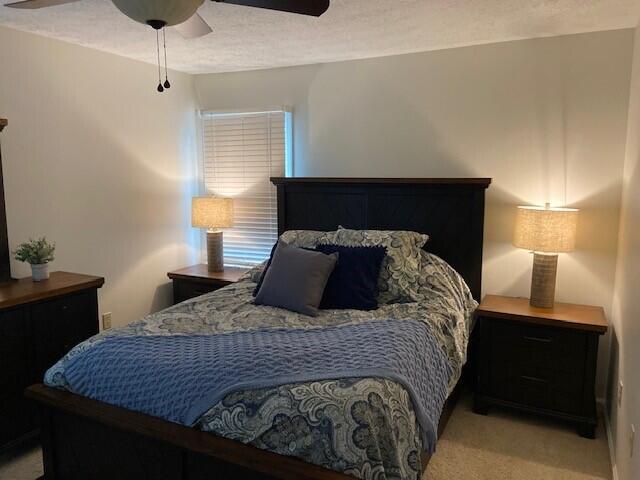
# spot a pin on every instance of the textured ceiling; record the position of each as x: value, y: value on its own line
x: 246, y: 38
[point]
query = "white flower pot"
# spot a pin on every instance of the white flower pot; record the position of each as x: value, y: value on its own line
x: 40, y: 272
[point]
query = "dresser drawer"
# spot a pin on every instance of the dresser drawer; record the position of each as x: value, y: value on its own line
x: 18, y: 417
x: 537, y: 386
x: 538, y: 346
x: 184, y: 289
x: 15, y: 341
x: 59, y: 325
x: 197, y: 280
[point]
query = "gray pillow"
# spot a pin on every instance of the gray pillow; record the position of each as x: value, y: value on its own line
x: 296, y: 279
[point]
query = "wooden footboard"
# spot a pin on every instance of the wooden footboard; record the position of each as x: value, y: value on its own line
x: 86, y: 439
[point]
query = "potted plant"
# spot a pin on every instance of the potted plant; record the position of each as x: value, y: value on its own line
x: 38, y: 253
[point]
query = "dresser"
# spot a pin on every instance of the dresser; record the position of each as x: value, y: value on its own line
x: 539, y: 360
x: 39, y: 323
x: 196, y: 280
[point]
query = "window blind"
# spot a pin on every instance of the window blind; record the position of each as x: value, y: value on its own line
x: 241, y: 151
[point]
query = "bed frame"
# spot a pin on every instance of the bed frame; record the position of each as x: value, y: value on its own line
x: 86, y: 439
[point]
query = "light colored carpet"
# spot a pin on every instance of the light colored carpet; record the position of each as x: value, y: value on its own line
x: 501, y: 446
x: 509, y: 446
x: 21, y: 464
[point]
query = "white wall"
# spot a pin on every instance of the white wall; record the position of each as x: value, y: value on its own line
x: 625, y: 351
x: 95, y: 159
x: 546, y: 119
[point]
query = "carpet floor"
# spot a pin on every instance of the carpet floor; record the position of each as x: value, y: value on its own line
x: 510, y: 446
x: 501, y: 446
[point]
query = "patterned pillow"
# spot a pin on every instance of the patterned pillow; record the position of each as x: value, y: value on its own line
x: 400, y: 273
x: 306, y: 238
x: 440, y: 277
x: 254, y: 273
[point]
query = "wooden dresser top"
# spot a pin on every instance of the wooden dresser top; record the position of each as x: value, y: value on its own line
x: 25, y: 290
x: 580, y: 317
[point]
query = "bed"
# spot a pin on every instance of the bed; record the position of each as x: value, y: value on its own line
x: 252, y: 434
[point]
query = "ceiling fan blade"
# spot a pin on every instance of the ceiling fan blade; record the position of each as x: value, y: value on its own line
x: 194, y: 27
x: 304, y: 7
x: 32, y: 4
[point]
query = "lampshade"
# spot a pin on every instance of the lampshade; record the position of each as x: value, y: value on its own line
x: 211, y: 212
x: 546, y: 230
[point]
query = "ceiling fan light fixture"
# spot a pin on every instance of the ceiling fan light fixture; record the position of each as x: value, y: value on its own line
x: 153, y: 12
x: 156, y: 24
x: 183, y: 15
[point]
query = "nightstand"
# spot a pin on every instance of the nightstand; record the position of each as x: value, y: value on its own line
x: 194, y: 281
x: 539, y: 360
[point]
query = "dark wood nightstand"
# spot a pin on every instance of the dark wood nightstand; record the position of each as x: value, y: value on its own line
x: 539, y: 360
x: 194, y: 281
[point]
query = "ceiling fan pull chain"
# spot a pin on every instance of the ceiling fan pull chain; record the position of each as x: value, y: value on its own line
x: 160, y: 87
x: 166, y: 71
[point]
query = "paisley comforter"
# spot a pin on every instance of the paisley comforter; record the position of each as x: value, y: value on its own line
x: 364, y: 427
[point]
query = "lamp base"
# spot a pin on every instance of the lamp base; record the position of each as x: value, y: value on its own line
x: 543, y: 280
x: 215, y: 258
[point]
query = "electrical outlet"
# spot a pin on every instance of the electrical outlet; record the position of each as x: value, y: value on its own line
x: 106, y: 321
x: 632, y: 440
x: 620, y: 390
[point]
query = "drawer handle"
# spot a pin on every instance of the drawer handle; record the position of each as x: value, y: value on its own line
x: 534, y: 379
x: 537, y: 339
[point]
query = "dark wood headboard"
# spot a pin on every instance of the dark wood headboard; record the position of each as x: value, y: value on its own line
x: 449, y: 210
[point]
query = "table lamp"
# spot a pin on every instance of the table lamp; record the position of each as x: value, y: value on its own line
x: 213, y: 213
x: 546, y: 232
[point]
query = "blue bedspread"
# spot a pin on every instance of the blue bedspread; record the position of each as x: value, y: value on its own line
x: 180, y: 377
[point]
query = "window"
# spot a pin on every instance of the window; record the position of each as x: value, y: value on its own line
x: 241, y: 151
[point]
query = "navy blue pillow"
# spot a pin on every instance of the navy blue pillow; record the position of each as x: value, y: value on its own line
x: 354, y: 281
x: 264, y: 272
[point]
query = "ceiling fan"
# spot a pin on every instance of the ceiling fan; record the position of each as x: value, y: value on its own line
x: 182, y: 14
